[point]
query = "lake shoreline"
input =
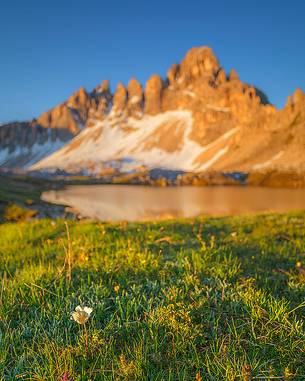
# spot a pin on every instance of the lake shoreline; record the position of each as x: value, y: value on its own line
x: 142, y: 203
x: 164, y: 177
x: 25, y: 191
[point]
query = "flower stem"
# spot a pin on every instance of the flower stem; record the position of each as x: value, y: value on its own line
x: 86, y: 339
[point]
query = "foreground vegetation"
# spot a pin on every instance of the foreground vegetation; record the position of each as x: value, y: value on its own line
x: 207, y: 299
x: 20, y: 198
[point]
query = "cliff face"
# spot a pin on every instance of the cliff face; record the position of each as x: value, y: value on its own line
x: 72, y: 114
x: 198, y: 118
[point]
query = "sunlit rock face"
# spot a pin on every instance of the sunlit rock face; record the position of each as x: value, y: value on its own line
x: 135, y: 99
x: 153, y: 95
x: 119, y: 99
x: 198, y: 118
x: 102, y: 103
x: 72, y: 114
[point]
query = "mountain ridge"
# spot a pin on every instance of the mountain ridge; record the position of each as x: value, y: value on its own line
x: 199, y: 118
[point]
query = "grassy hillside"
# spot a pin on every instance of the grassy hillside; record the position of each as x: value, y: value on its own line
x: 208, y: 299
x: 20, y: 198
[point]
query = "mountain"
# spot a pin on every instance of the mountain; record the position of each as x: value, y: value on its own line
x: 198, y: 119
x: 24, y: 143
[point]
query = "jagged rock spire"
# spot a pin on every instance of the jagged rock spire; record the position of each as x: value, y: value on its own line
x: 135, y: 98
x: 153, y: 93
x: 120, y: 98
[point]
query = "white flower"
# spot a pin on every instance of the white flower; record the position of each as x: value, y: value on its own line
x: 81, y: 314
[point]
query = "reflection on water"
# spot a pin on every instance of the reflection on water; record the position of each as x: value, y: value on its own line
x: 139, y: 203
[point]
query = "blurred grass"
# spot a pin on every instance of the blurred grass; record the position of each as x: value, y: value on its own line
x: 220, y: 298
x: 17, y: 192
x: 19, y: 188
x: 20, y: 198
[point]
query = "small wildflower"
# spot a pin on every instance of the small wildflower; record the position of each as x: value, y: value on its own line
x: 287, y: 374
x: 116, y: 288
x: 198, y: 377
x: 298, y: 264
x: 83, y: 257
x: 81, y: 314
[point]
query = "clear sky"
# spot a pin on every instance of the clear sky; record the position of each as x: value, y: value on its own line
x: 49, y: 48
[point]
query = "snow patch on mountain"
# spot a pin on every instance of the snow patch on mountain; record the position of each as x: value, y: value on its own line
x: 24, y: 157
x: 138, y: 140
x: 268, y: 162
x: 215, y: 158
x: 160, y: 141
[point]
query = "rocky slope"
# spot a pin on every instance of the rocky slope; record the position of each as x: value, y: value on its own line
x: 198, y: 119
x: 25, y: 143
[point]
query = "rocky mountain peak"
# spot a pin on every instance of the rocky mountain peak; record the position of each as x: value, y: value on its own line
x: 153, y: 94
x: 79, y: 98
x: 298, y: 97
x: 102, y: 91
x: 294, y: 109
x: 103, y: 87
x: 135, y: 98
x: 199, y: 62
x: 233, y: 76
x: 119, y: 98
x: 81, y: 102
x: 172, y: 74
x: 70, y: 115
x: 200, y: 118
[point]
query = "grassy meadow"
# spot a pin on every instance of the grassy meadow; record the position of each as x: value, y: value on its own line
x: 205, y: 299
x: 20, y: 198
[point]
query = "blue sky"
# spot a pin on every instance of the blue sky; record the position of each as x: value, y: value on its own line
x: 51, y: 48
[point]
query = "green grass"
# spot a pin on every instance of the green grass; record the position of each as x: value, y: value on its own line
x: 220, y: 297
x: 19, y: 188
x: 20, y: 198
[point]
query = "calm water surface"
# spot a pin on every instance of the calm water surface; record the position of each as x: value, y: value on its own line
x: 140, y: 203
